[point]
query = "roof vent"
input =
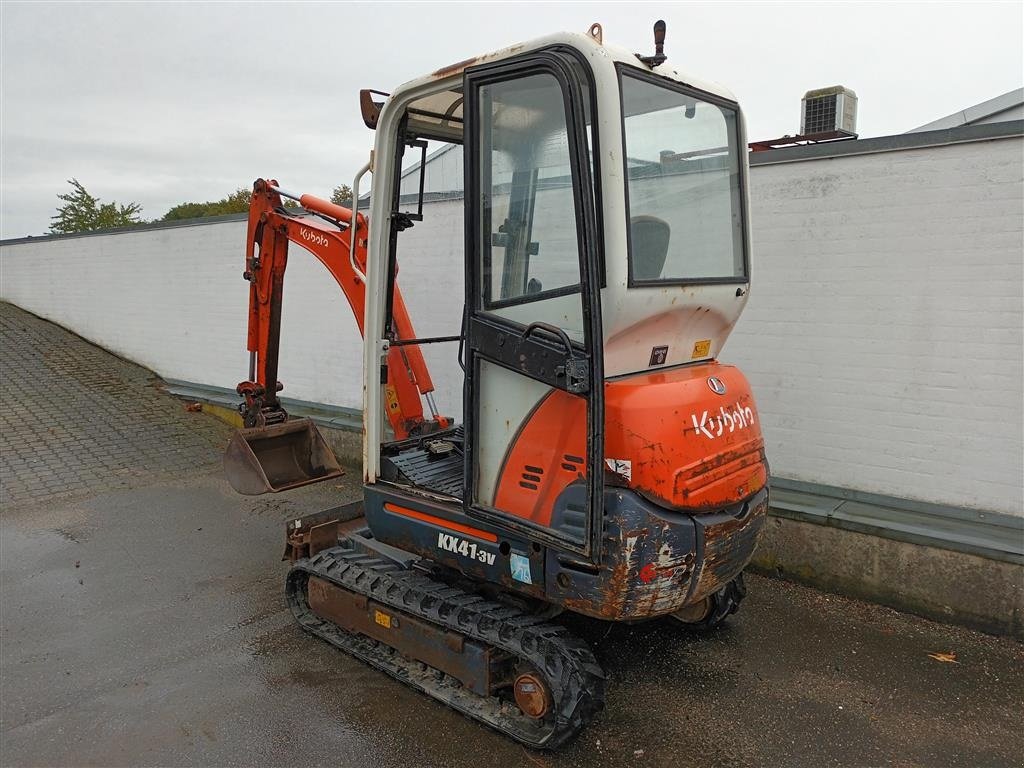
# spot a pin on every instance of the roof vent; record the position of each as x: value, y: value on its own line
x: 829, y: 111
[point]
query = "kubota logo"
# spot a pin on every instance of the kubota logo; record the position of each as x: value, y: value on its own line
x: 313, y: 237
x: 716, y: 385
x: 724, y: 421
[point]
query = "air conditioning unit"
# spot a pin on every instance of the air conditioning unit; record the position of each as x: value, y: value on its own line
x: 829, y: 111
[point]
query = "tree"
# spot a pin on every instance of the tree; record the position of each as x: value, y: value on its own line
x: 342, y: 195
x: 82, y: 212
x: 237, y: 202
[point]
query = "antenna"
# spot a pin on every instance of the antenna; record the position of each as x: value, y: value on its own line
x: 659, y: 46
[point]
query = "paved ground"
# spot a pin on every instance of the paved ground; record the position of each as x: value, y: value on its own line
x: 74, y: 419
x: 141, y: 623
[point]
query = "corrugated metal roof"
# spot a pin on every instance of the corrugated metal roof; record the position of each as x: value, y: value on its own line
x: 1008, y: 106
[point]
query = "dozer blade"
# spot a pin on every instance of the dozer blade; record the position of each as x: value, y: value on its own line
x: 279, y: 457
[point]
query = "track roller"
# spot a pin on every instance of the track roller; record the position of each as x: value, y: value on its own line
x: 518, y: 673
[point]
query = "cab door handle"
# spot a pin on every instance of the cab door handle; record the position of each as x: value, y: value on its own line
x: 552, y: 329
x: 575, y: 371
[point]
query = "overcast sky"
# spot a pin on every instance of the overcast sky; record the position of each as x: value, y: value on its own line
x: 168, y: 103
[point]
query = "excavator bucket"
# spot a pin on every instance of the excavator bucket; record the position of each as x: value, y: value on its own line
x: 279, y: 457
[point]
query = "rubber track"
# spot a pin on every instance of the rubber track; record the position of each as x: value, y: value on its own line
x: 724, y: 603
x: 573, y: 675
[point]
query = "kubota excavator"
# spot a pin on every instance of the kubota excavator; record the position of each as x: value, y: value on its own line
x: 605, y: 463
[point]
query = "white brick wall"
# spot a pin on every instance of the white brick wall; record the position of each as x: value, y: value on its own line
x: 883, y: 335
x: 174, y: 300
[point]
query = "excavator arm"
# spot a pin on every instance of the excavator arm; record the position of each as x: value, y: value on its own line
x: 325, y: 230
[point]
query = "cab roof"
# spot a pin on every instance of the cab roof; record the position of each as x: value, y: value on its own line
x: 440, y: 111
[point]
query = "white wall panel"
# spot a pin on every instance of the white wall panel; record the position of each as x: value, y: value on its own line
x: 883, y: 335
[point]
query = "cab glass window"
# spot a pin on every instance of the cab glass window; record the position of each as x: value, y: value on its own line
x: 528, y: 212
x: 684, y: 187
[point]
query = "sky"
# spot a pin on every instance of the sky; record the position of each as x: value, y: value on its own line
x: 166, y: 103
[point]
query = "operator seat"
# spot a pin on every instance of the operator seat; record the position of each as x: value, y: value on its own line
x: 648, y: 236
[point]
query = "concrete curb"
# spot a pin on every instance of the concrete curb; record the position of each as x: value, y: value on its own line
x: 938, y: 584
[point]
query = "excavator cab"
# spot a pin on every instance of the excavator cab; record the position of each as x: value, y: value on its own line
x: 602, y: 460
x: 606, y: 261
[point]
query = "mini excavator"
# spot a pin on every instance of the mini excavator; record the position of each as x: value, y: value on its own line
x: 604, y: 462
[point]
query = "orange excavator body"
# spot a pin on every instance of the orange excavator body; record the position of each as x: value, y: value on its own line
x: 715, y: 460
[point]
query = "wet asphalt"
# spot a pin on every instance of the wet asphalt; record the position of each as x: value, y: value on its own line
x: 142, y: 623
x: 146, y: 626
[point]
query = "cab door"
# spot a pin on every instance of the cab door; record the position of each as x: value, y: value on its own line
x: 533, y: 398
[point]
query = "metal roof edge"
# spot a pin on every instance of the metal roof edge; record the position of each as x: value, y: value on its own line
x: 933, y: 509
x: 147, y: 227
x: 993, y: 535
x: 980, y: 111
x: 959, y: 135
x: 447, y: 147
x: 334, y: 416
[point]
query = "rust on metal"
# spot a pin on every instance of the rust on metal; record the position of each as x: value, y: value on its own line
x: 743, y: 464
x: 369, y: 108
x: 532, y: 695
x: 800, y: 140
x: 466, y: 660
x: 278, y: 457
x: 727, y: 547
x: 617, y: 586
x: 659, y: 56
x: 454, y: 69
x: 672, y: 579
x: 307, y: 535
x: 323, y: 536
x: 457, y: 67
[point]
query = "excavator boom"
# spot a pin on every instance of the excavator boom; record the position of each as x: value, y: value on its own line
x: 269, y: 455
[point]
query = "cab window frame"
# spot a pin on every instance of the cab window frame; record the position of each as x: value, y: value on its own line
x: 624, y: 71
x: 579, y: 131
x: 573, y: 71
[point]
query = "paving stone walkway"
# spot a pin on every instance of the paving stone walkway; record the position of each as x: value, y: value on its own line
x: 75, y: 418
